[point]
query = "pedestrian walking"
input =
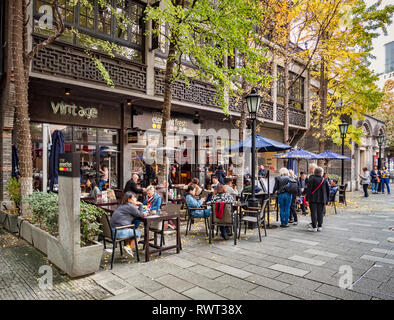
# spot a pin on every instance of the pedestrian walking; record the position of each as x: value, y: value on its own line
x: 365, y: 181
x: 284, y: 197
x: 375, y: 179
x: 318, y: 193
x: 385, y: 179
x: 295, y: 197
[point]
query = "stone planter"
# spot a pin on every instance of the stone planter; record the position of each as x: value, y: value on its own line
x: 25, y: 230
x: 2, y: 217
x: 39, y: 238
x: 11, y: 223
x: 81, y: 262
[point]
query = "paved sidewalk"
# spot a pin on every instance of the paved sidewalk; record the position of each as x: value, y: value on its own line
x: 19, y: 275
x: 289, y: 264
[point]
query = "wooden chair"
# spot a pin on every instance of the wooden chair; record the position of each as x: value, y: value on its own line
x: 230, y: 219
x: 255, y: 216
x: 109, y: 235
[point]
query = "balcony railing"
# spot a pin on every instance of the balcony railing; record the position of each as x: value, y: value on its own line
x: 69, y: 61
x: 296, y: 117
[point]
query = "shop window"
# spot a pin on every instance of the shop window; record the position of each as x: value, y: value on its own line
x: 84, y: 134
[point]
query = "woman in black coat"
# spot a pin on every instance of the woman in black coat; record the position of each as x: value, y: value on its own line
x: 317, y: 195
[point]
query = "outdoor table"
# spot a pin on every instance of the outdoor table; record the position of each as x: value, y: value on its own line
x: 155, y: 218
x: 103, y: 203
x: 148, y: 220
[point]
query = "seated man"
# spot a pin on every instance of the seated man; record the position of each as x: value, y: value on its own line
x: 230, y: 188
x: 129, y: 212
x: 192, y: 202
x: 248, y: 187
x: 333, y: 190
x: 222, y: 196
x: 153, y: 200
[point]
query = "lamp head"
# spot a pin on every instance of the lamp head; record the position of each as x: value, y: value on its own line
x: 253, y: 101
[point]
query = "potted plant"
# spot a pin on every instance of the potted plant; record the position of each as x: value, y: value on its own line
x: 10, y: 216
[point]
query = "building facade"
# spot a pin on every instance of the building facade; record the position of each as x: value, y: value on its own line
x: 111, y: 125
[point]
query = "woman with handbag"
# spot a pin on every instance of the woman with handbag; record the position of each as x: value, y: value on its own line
x: 375, y: 180
x: 317, y: 194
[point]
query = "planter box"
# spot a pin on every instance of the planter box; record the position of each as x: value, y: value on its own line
x: 25, y: 230
x: 2, y: 217
x: 39, y: 238
x: 11, y: 223
x: 76, y: 262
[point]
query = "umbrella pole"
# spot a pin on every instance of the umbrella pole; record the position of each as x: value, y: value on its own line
x: 109, y: 171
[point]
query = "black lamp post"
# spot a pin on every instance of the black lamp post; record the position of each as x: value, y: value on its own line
x: 253, y: 101
x: 380, y: 139
x: 343, y: 130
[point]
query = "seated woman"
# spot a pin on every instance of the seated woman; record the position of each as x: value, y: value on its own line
x: 94, y: 189
x: 129, y: 212
x: 222, y: 196
x: 192, y: 202
x: 153, y: 200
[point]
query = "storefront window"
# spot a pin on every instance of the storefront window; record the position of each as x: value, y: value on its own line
x: 97, y: 147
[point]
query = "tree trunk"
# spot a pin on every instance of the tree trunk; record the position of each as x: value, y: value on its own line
x: 323, y: 106
x: 22, y: 123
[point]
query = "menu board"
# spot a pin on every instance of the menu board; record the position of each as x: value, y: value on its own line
x: 69, y: 165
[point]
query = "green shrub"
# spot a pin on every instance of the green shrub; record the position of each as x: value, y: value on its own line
x: 14, y: 191
x: 45, y: 207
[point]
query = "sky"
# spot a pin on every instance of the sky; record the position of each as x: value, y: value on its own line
x: 378, y: 64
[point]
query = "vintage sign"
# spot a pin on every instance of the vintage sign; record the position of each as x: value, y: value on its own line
x: 63, y: 109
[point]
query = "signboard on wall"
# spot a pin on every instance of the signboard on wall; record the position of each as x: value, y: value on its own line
x: 132, y: 137
x: 69, y: 165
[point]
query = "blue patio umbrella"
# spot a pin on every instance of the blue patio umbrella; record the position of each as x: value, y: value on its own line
x: 297, y: 154
x: 263, y: 144
x: 56, y: 149
x: 329, y: 155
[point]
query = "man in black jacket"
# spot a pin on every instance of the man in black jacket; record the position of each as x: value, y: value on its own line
x: 303, y: 182
x: 132, y: 185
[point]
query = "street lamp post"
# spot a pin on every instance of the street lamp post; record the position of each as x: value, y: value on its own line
x: 343, y: 130
x: 380, y: 139
x: 253, y: 101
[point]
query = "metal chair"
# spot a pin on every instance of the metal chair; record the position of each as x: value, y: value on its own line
x: 190, y: 219
x: 109, y: 235
x: 342, y: 194
x: 230, y: 219
x: 258, y: 216
x: 333, y: 202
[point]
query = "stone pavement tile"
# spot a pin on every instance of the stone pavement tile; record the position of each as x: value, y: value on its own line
x: 344, y: 294
x: 302, y: 282
x: 115, y: 286
x: 208, y: 272
x: 303, y: 241
x: 180, y: 262
x: 301, y: 292
x: 236, y: 294
x: 321, y: 253
x: 290, y: 270
x: 197, y: 293
x: 283, y: 261
x: 236, y: 283
x: 131, y: 294
x: 233, y: 271
x: 262, y: 271
x: 384, y: 251
x: 377, y: 259
x: 175, y: 283
x: 205, y: 262
x: 367, y: 241
x: 268, y: 283
x: 269, y: 294
x: 200, y: 280
x: 307, y: 260
x: 366, y: 283
x: 146, y: 297
x: 144, y: 283
x: 168, y: 294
